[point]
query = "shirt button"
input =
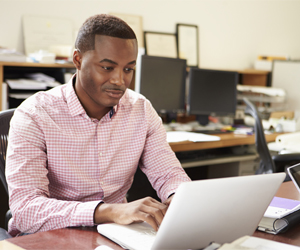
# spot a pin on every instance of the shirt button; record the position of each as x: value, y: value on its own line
x: 101, y: 182
x: 100, y: 153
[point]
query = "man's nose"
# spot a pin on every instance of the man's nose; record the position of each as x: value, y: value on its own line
x: 117, y: 78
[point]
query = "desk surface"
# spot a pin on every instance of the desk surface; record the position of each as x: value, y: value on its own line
x: 88, y: 238
x: 227, y: 140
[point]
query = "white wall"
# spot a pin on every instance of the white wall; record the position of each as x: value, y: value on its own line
x: 231, y: 32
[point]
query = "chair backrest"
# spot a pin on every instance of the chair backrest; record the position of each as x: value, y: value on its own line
x: 5, y: 117
x: 267, y: 164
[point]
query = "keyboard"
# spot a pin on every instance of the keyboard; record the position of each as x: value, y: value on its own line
x: 139, y: 236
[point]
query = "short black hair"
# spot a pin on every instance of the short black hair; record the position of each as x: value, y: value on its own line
x: 101, y: 24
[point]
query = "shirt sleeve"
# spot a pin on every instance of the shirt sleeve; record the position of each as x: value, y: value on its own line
x: 26, y: 171
x: 158, y: 161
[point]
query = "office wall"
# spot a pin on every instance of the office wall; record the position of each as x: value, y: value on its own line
x: 231, y: 32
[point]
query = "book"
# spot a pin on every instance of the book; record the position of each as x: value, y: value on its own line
x: 281, y: 214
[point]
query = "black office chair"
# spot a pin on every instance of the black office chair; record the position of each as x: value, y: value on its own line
x: 268, y: 164
x: 5, y: 117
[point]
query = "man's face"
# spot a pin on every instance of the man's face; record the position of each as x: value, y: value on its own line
x: 105, y: 73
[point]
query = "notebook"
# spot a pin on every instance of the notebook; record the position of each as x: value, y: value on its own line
x: 204, y: 211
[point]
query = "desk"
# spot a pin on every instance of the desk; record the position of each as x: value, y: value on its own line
x: 236, y: 163
x: 227, y: 140
x: 88, y: 238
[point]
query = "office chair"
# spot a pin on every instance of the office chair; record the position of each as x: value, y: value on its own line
x: 5, y: 117
x: 4, y: 234
x: 268, y: 164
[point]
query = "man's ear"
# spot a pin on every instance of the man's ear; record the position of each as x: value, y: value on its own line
x: 77, y: 57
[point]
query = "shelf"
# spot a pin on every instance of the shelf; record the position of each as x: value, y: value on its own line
x: 221, y: 160
x: 8, y: 69
x: 262, y: 98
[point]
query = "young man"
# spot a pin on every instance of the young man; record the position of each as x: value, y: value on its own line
x: 73, y: 150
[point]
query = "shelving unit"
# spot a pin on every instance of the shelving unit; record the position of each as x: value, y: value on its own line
x: 18, y: 69
x: 266, y: 99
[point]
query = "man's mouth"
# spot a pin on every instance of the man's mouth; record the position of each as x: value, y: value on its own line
x: 114, y: 93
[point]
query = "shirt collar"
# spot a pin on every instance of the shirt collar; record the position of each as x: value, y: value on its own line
x: 75, y: 106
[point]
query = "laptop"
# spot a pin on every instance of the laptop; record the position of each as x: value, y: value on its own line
x: 201, y: 212
x: 294, y: 173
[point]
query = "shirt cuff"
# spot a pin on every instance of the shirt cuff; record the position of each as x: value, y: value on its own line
x: 84, y: 214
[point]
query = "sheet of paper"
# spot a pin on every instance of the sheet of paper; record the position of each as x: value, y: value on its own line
x: 177, y: 136
x: 263, y: 244
x: 255, y: 243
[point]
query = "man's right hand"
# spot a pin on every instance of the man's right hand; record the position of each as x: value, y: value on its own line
x: 146, y: 209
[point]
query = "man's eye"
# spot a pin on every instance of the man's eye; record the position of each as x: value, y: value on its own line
x: 128, y: 69
x: 107, y: 68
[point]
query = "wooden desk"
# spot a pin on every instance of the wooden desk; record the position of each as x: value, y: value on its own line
x: 227, y: 140
x: 233, y: 162
x: 88, y: 238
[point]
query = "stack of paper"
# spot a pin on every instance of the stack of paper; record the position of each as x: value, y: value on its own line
x: 26, y: 84
x: 11, y: 55
x: 251, y: 242
x: 40, y: 77
x: 177, y: 136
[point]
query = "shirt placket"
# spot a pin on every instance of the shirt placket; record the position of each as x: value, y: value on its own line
x: 103, y: 141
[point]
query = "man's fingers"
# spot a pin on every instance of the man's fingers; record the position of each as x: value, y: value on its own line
x: 156, y: 204
x: 153, y: 213
x: 149, y: 219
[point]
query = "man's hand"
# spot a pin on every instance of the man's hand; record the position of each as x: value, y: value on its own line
x: 168, y: 201
x: 146, y: 209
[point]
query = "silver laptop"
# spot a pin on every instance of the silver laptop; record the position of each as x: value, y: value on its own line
x: 205, y: 211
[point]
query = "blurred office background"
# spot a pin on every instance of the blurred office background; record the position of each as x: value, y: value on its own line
x: 232, y: 33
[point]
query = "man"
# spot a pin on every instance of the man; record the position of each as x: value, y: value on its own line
x: 73, y: 150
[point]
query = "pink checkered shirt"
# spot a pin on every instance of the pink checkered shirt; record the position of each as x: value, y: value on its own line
x: 61, y: 163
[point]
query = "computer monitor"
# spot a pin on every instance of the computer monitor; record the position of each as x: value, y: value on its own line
x: 162, y: 81
x: 211, y: 92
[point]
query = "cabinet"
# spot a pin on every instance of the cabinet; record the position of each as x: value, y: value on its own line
x: 14, y: 70
x: 255, y: 77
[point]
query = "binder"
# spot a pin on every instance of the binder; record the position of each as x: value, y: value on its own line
x: 281, y: 215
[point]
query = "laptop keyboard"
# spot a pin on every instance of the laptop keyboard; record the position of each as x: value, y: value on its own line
x: 144, y: 240
x: 135, y: 236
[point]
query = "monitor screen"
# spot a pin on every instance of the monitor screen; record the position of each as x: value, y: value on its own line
x: 212, y: 92
x: 162, y: 81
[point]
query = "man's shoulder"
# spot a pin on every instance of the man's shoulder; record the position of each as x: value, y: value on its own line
x: 47, y: 98
x: 132, y: 97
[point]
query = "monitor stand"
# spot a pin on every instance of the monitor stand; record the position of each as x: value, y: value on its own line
x: 202, y: 119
